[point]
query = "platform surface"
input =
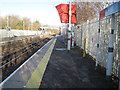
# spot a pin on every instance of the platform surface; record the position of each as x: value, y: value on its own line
x: 70, y: 70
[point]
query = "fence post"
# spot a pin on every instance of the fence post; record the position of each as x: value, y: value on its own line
x: 73, y: 36
x: 98, y: 39
x: 110, y: 48
x: 81, y: 35
x: 89, y: 36
x: 119, y: 76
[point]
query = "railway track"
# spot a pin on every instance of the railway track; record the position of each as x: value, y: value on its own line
x: 11, y: 61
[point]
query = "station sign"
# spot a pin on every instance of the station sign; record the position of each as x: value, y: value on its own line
x: 112, y: 9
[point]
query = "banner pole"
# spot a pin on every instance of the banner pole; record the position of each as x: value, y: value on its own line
x: 69, y: 28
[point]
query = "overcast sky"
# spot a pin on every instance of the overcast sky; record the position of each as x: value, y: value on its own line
x: 42, y: 10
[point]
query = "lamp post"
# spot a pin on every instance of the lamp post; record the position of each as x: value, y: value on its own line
x: 23, y: 25
x: 7, y: 21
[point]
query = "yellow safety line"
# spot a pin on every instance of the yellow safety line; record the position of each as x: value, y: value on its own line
x: 37, y: 75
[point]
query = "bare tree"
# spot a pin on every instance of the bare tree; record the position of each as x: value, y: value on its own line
x: 15, y: 22
x: 36, y: 25
x: 1, y: 22
x: 89, y: 10
x: 26, y: 21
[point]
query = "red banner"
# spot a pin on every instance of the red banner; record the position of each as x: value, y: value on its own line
x: 63, y: 10
x: 73, y: 18
x: 65, y: 18
x: 73, y: 9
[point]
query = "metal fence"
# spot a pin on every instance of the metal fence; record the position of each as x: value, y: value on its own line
x: 89, y: 30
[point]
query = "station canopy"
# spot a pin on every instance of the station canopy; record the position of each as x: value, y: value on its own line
x: 112, y: 9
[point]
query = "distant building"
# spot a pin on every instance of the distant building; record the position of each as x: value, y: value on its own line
x: 44, y: 28
x: 8, y: 28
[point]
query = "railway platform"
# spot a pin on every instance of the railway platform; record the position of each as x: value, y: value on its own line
x: 70, y: 70
x: 53, y: 66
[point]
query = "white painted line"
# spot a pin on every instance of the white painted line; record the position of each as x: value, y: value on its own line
x: 2, y: 83
x: 61, y: 49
